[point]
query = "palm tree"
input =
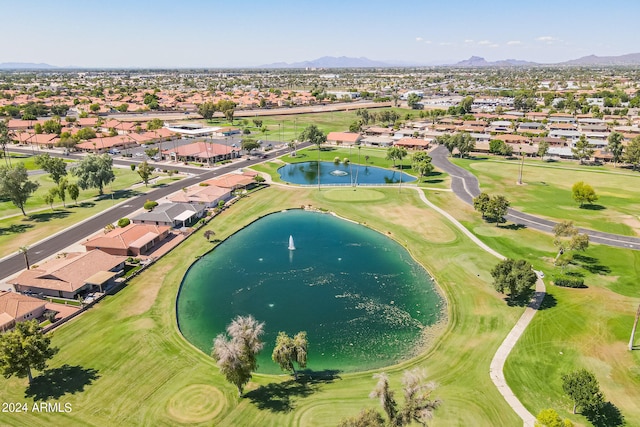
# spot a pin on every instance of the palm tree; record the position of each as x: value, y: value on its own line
x: 23, y: 250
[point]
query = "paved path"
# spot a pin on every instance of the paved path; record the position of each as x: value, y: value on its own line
x: 497, y: 363
x: 466, y: 187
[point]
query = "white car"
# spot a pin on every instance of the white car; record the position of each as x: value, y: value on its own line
x: 139, y: 154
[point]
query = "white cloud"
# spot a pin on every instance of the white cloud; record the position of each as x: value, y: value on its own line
x: 468, y: 41
x: 484, y: 42
x: 514, y: 42
x: 494, y: 45
x: 422, y: 40
x: 446, y: 44
x: 419, y: 39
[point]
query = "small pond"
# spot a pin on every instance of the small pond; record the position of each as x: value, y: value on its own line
x: 306, y: 173
x: 363, y: 300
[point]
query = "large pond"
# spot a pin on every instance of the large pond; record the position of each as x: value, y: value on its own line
x: 306, y: 173
x: 364, y: 302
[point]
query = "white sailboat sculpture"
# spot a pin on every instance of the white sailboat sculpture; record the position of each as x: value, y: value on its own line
x: 291, y: 245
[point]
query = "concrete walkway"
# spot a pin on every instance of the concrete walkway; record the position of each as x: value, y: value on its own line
x: 497, y: 363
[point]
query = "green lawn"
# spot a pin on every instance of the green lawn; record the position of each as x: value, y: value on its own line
x: 288, y: 127
x: 587, y: 328
x: 547, y: 191
x: 130, y: 366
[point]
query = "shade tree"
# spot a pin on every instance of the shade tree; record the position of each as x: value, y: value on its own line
x: 583, y: 193
x: 289, y: 351
x: 583, y: 389
x: 515, y: 277
x: 94, y: 171
x: 16, y: 186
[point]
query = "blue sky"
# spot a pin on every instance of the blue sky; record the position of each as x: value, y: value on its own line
x: 192, y: 33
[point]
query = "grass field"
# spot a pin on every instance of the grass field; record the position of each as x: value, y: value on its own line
x: 587, y: 328
x: 124, y: 362
x: 547, y: 191
x: 287, y: 128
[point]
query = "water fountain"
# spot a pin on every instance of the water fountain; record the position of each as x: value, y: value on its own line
x: 291, y: 245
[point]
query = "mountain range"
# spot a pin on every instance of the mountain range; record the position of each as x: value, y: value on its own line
x: 630, y: 59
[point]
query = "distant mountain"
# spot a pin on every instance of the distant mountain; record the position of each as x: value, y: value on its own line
x: 476, y: 61
x: 331, y: 62
x: 25, y: 66
x: 628, y: 59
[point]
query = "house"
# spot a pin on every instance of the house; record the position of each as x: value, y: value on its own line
x: 132, y: 240
x: 569, y: 135
x: 339, y: 138
x: 412, y: 143
x: 378, y: 141
x: 206, y: 195
x: 68, y: 276
x: 15, y: 307
x: 233, y: 181
x: 172, y: 215
x: 202, y: 151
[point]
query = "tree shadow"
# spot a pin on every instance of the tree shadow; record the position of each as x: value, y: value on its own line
x: 549, y: 301
x: 592, y: 207
x: 591, y: 264
x: 48, y: 216
x: 522, y: 300
x: 605, y: 415
x: 280, y: 397
x: 476, y: 157
x: 86, y: 205
x: 432, y: 181
x: 512, y: 226
x: 15, y: 228
x: 56, y: 382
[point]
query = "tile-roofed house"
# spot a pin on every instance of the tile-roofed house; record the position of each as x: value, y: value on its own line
x: 66, y: 277
x: 232, y: 180
x: 132, y: 240
x: 15, y: 307
x: 209, y: 195
x: 412, y: 143
x: 202, y: 151
x: 339, y: 138
x: 171, y: 215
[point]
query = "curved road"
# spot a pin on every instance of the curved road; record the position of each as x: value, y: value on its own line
x: 57, y: 242
x: 465, y: 185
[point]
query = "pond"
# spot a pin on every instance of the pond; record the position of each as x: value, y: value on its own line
x: 361, y: 298
x: 306, y: 173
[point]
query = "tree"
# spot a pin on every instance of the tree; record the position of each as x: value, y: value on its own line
x: 55, y: 166
x: 583, y: 193
x: 145, y: 171
x: 421, y: 162
x: 314, y: 135
x: 24, y: 250
x: 15, y: 185
x: 497, y: 208
x: 568, y: 238
x: 582, y: 149
x: 465, y: 105
x: 497, y: 146
x: 464, y: 142
x: 550, y: 418
x: 515, y: 276
x: 418, y: 405
x: 396, y: 153
x: 85, y: 134
x: 413, y: 100
x: 154, y: 124
x: 543, y: 148
x: 207, y: 110
x: 151, y: 152
x: 366, y: 418
x: 236, y: 355
x: 257, y: 123
x: 150, y: 204
x: 448, y: 141
x: 355, y: 127
x: 94, y: 172
x: 74, y: 192
x: 249, y: 144
x: 4, y: 139
x: 50, y: 196
x: 23, y: 349
x: 288, y: 351
x: 614, y: 145
x: 583, y: 388
x: 208, y: 234
x: 632, y: 152
x: 481, y: 203
x: 122, y: 108
x: 383, y: 392
x: 52, y: 126
x: 62, y: 190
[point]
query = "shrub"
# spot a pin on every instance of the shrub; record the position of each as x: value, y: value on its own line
x: 150, y: 204
x: 569, y: 282
x: 345, y: 161
x: 336, y: 160
x: 259, y: 178
x: 133, y: 167
x: 123, y: 222
x: 203, y: 184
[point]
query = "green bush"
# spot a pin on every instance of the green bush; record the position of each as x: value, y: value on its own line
x: 123, y: 222
x: 150, y: 204
x: 569, y: 282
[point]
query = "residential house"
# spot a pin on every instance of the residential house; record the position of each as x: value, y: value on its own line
x: 132, y: 240
x: 412, y: 143
x: 68, y: 276
x: 206, y: 195
x: 174, y: 215
x: 346, y: 138
x: 202, y: 151
x: 15, y: 307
